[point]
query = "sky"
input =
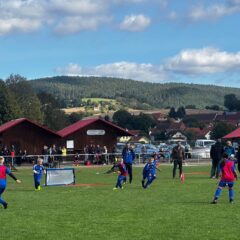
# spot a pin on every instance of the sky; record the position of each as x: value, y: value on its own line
x: 190, y: 41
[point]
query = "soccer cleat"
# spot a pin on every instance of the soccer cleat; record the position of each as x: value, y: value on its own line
x: 114, y: 188
x: 39, y: 188
x: 121, y: 187
x: 5, y: 205
x: 214, y: 202
x: 143, y: 183
x: 231, y: 201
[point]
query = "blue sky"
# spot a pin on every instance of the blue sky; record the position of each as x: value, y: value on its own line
x: 193, y: 41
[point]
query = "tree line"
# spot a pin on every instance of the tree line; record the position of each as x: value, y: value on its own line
x: 134, y: 94
x: 19, y: 100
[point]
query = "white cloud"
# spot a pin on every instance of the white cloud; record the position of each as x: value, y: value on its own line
x: 71, y: 70
x: 76, y: 24
x: 16, y: 24
x: 127, y: 70
x: 135, y: 23
x: 189, y: 63
x: 76, y: 7
x: 18, y: 15
x: 214, y: 11
x: 203, y: 61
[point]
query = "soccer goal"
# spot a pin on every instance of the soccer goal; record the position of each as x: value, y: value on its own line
x: 59, y: 176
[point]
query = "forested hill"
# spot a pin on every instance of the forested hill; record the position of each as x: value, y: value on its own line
x: 134, y: 93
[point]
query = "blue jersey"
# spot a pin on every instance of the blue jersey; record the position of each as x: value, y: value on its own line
x: 150, y: 168
x: 128, y: 156
x: 39, y: 169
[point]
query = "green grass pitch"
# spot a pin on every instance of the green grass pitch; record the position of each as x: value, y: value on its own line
x: 169, y: 209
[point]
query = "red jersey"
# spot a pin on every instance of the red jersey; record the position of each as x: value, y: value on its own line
x: 122, y: 169
x: 228, y: 171
x: 3, y: 172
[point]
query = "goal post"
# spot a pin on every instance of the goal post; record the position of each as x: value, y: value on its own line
x: 59, y: 176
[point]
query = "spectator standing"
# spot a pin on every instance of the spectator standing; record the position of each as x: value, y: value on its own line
x: 216, y: 154
x: 229, y: 149
x: 178, y: 156
x: 45, y: 155
x: 64, y: 153
x: 128, y: 156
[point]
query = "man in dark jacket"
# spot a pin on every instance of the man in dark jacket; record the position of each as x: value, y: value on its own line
x: 216, y: 154
x: 128, y: 156
x: 178, y: 155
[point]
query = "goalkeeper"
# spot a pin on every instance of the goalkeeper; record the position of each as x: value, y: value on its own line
x: 38, y: 171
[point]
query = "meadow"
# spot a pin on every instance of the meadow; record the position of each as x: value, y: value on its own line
x: 91, y: 210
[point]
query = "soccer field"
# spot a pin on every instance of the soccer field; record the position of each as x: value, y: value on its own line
x: 169, y: 209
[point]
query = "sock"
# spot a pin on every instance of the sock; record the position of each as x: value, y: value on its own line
x: 217, y: 193
x: 231, y: 194
x: 2, y: 201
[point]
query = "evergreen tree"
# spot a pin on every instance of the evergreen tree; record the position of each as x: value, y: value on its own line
x: 172, y: 113
x: 221, y: 129
x: 9, y: 108
x: 25, y: 96
x: 181, y: 112
x: 231, y: 102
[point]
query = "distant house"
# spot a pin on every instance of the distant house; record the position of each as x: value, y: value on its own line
x: 229, y: 117
x: 91, y: 131
x: 167, y: 128
x: 159, y: 117
x: 198, y: 133
x: 205, y: 118
x: 27, y: 135
x: 136, y: 137
x: 176, y: 135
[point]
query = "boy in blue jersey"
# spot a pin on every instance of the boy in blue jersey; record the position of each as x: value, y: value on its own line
x: 149, y: 172
x: 122, y: 173
x: 4, y: 171
x: 38, y: 171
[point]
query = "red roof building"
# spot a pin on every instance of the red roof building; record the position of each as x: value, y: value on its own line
x: 92, y: 131
x: 25, y: 134
x: 233, y: 134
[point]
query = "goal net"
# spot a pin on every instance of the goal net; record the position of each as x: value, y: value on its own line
x: 59, y: 176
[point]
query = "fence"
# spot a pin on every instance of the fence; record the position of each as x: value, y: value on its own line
x: 97, y: 159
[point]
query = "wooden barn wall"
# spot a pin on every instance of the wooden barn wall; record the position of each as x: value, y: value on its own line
x: 81, y: 138
x: 29, y: 137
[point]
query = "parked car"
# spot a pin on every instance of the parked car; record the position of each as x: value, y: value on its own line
x: 204, y: 143
x: 147, y: 149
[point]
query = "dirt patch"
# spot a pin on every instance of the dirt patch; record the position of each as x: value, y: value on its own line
x: 88, y: 185
x: 197, y: 173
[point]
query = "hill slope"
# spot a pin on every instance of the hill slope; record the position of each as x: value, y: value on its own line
x: 134, y: 94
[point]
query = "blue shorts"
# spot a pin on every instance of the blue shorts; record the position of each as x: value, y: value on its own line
x: 224, y: 184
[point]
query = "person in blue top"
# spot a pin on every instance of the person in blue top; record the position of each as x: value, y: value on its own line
x: 38, y: 171
x: 149, y: 171
x: 229, y: 149
x: 4, y: 171
x: 128, y: 156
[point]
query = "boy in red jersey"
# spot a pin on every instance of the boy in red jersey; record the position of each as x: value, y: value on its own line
x: 4, y: 171
x: 122, y: 171
x: 227, y: 174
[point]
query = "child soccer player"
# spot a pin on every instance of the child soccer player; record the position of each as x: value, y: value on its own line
x: 149, y: 172
x: 122, y: 173
x: 3, y: 180
x: 38, y: 171
x: 227, y: 174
